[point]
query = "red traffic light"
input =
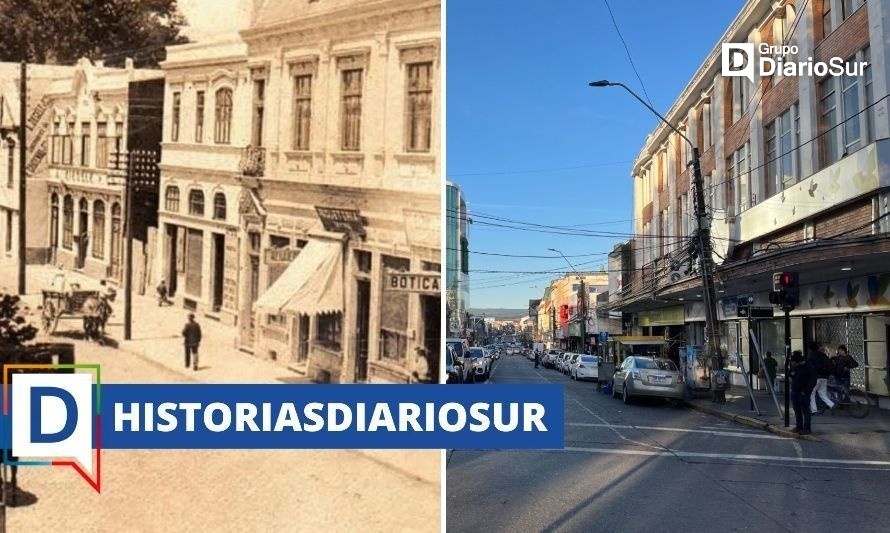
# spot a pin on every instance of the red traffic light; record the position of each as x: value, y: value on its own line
x: 785, y: 280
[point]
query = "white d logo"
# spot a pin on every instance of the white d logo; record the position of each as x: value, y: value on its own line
x: 738, y: 60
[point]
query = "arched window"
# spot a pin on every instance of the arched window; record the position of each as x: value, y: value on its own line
x: 219, y: 206
x: 54, y: 221
x: 68, y: 222
x: 223, y: 125
x: 99, y: 229
x: 196, y: 202
x: 116, y: 242
x: 171, y: 198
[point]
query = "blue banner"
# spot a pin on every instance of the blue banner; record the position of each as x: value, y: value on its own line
x: 192, y: 416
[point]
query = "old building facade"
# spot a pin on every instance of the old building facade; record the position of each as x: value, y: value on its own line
x: 307, y: 215
x: 794, y: 179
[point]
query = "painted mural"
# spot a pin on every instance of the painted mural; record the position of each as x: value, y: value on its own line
x: 867, y: 293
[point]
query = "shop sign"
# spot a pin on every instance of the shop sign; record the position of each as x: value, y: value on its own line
x: 79, y: 176
x: 667, y: 316
x: 413, y: 282
x: 341, y: 220
x: 281, y: 255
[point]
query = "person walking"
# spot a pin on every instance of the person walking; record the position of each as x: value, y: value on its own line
x: 162, y: 293
x: 843, y: 363
x: 803, y: 380
x: 824, y: 369
x: 769, y: 368
x: 191, y: 334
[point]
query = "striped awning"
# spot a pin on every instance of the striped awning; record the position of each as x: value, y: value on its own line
x: 312, y: 283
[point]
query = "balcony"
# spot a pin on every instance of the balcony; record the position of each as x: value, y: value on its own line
x: 253, y: 161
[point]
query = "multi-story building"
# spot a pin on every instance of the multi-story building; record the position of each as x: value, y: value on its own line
x: 795, y: 178
x: 567, y: 312
x: 38, y: 119
x: 206, y: 134
x: 310, y: 201
x: 457, y: 258
x: 80, y: 119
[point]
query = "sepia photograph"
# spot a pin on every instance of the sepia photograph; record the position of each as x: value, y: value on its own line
x: 223, y: 192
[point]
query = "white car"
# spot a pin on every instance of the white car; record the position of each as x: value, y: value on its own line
x: 562, y: 360
x: 586, y: 367
x: 569, y: 362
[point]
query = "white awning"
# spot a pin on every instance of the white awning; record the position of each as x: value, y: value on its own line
x: 639, y: 342
x: 312, y: 283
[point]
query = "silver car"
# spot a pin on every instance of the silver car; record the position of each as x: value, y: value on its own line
x: 480, y: 364
x: 648, y: 376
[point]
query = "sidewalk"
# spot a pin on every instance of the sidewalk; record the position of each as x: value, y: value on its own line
x: 157, y: 338
x: 157, y: 333
x: 873, y: 431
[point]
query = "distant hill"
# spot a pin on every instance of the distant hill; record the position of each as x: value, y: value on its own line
x: 500, y: 313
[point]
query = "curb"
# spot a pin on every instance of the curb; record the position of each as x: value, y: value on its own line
x: 752, y: 422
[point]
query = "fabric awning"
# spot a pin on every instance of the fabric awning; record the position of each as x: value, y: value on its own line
x: 312, y: 283
x: 639, y: 342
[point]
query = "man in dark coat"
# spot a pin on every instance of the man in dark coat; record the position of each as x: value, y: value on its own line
x: 843, y: 363
x: 803, y: 380
x: 191, y: 335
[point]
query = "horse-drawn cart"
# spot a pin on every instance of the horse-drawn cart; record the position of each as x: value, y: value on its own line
x: 75, y: 304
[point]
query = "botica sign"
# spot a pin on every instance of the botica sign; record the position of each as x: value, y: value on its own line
x: 413, y: 282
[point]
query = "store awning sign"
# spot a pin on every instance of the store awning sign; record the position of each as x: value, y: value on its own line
x: 426, y: 283
x: 340, y: 220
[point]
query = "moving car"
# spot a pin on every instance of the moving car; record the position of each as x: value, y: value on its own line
x: 585, y: 367
x: 648, y: 376
x: 480, y: 364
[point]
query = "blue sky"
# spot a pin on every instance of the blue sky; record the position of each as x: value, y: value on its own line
x: 528, y: 140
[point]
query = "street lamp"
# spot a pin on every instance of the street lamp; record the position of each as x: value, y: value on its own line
x: 582, y: 313
x: 703, y: 223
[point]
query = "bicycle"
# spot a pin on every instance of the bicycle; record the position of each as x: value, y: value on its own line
x: 858, y: 405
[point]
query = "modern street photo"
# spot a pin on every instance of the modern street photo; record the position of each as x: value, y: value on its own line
x: 679, y: 212
x: 223, y: 192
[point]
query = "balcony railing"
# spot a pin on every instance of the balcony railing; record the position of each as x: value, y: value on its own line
x: 253, y: 161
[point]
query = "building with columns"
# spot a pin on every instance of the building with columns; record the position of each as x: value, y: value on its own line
x: 795, y: 179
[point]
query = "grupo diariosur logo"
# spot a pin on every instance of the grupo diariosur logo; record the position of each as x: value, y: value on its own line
x: 53, y: 418
x: 740, y: 60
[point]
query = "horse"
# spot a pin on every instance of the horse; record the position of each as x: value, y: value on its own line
x: 95, y: 313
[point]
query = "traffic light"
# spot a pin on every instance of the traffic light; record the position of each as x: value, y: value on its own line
x: 786, y: 290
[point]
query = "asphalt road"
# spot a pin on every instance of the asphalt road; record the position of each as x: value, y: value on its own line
x: 652, y: 467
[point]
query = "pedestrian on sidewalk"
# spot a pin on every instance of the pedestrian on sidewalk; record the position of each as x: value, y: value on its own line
x: 824, y: 370
x: 769, y: 368
x: 803, y: 380
x: 162, y: 294
x: 191, y: 334
x: 843, y: 363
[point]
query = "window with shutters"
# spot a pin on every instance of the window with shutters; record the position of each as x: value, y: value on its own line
x: 171, y: 198
x: 351, y: 109
x: 196, y: 202
x: 219, y: 206
x: 302, y: 111
x: 419, y: 106
x: 98, y: 229
x: 222, y: 131
x: 394, y: 314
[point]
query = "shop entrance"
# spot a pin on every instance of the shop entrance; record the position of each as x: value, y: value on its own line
x: 218, y: 265
x: 84, y: 237
x: 362, y: 329
x: 431, y: 309
x: 172, y: 259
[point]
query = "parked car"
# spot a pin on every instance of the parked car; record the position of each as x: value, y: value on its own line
x: 585, y: 367
x: 569, y: 362
x: 647, y: 376
x: 480, y: 364
x: 461, y: 347
x: 550, y: 358
x: 455, y: 370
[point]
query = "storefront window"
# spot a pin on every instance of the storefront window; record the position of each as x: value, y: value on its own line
x: 327, y: 330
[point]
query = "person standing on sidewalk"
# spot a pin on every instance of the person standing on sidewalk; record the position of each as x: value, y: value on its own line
x: 769, y: 368
x: 824, y: 369
x: 191, y: 334
x: 803, y: 380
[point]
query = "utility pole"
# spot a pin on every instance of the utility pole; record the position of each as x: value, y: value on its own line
x: 703, y: 245
x: 127, y: 158
x: 23, y: 173
x: 787, y: 383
